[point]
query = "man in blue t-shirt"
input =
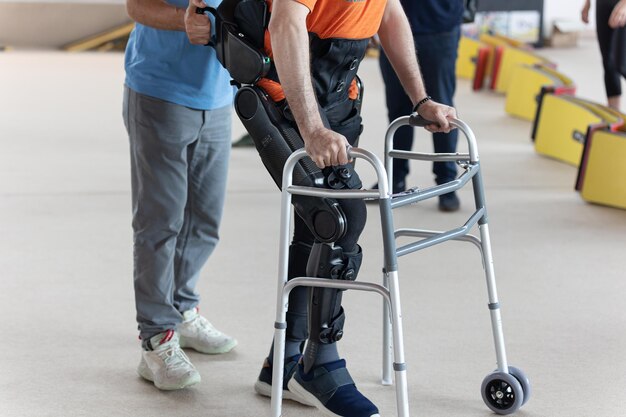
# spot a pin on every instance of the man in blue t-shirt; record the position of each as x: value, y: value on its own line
x: 177, y: 113
x: 436, y: 30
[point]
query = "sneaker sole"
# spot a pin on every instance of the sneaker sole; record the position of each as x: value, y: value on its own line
x: 217, y: 351
x: 297, y: 389
x: 265, y: 389
x: 145, y: 374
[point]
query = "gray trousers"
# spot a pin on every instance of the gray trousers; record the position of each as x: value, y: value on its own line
x: 179, y: 162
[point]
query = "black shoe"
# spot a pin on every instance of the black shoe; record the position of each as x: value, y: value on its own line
x: 330, y: 388
x: 263, y: 385
x: 449, y: 202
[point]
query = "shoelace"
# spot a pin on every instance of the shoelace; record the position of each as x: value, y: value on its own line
x: 202, y: 323
x: 175, y: 358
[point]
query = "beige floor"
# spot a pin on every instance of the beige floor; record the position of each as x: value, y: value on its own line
x: 69, y: 345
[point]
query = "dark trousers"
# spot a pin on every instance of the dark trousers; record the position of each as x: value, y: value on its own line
x: 612, y: 43
x: 437, y: 55
x: 345, y: 120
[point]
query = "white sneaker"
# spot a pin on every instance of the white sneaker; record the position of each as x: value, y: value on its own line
x: 167, y: 365
x: 197, y: 333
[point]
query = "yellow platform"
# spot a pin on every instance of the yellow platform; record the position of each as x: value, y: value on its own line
x: 613, y: 118
x: 508, y: 54
x: 516, y: 43
x: 472, y: 60
x: 602, y: 173
x: 561, y: 127
x: 531, y: 82
x: 114, y: 38
x: 466, y: 59
x: 511, y: 58
x: 495, y: 44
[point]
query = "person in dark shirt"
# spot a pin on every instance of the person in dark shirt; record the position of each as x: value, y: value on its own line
x: 436, y: 31
x: 610, y: 22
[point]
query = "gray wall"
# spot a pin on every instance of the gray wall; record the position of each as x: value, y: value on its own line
x: 567, y: 10
x: 52, y: 24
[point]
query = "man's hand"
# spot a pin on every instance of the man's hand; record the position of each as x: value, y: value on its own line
x: 439, y: 113
x: 197, y: 26
x: 618, y: 16
x: 326, y: 147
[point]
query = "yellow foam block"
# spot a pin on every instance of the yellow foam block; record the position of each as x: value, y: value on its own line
x: 466, y: 59
x: 603, y: 173
x: 511, y: 58
x: 99, y: 39
x: 511, y: 41
x: 523, y: 95
x: 610, y: 116
x: 494, y: 43
x: 561, y: 128
x: 565, y: 80
x: 492, y: 39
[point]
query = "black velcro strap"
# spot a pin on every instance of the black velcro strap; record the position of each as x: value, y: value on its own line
x: 328, y: 383
x: 334, y: 332
x: 342, y: 177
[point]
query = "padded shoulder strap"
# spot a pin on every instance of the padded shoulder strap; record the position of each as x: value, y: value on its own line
x: 252, y: 17
x: 239, y: 36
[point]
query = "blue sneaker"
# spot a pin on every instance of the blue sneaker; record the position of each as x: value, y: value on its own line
x: 331, y: 389
x: 263, y: 385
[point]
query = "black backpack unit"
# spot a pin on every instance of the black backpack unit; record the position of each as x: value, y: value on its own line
x: 239, y: 37
x: 240, y: 27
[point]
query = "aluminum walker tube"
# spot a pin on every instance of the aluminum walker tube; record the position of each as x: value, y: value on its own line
x: 432, y: 237
x: 414, y: 120
x: 391, y: 294
x: 494, y: 305
x: 473, y: 169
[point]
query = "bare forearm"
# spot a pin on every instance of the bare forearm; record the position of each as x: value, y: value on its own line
x: 157, y: 14
x: 396, y: 39
x: 290, y: 45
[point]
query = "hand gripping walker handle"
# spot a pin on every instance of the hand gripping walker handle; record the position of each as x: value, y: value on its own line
x: 379, y: 168
x: 416, y: 120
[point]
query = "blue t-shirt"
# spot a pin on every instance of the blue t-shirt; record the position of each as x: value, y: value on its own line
x: 165, y: 65
x: 433, y: 16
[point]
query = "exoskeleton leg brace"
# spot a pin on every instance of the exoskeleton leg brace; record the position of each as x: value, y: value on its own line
x: 334, y: 253
x: 326, y: 316
x: 276, y: 138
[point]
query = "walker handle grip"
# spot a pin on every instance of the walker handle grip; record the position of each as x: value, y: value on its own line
x: 416, y: 120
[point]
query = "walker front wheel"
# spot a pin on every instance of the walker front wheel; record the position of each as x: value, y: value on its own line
x: 502, y: 393
x: 523, y: 380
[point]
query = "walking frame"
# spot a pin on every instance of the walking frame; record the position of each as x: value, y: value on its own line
x: 507, y: 388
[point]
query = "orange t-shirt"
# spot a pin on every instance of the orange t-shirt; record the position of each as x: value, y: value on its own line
x: 344, y: 19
